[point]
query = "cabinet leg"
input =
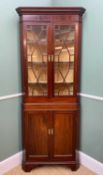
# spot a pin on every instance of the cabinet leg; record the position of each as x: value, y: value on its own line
x: 28, y: 167
x: 74, y: 167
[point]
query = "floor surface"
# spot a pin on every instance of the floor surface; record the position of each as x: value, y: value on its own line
x: 51, y: 170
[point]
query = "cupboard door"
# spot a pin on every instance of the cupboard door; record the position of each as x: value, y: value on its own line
x: 64, y: 49
x: 64, y: 135
x: 36, y: 135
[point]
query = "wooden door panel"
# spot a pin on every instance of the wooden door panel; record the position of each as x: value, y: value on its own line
x: 64, y: 124
x: 37, y: 135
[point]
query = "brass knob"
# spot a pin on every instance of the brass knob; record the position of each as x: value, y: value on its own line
x: 51, y: 132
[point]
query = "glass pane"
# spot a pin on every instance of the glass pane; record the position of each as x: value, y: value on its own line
x: 64, y: 60
x: 37, y: 60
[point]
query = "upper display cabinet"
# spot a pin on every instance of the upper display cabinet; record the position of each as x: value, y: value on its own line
x: 51, y: 46
x: 60, y: 60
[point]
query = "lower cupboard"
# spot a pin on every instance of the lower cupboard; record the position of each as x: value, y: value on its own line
x: 50, y: 138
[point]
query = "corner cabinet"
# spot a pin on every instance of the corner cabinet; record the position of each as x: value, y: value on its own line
x: 50, y: 41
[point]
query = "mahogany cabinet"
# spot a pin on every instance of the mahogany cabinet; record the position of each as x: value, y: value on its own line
x: 50, y: 41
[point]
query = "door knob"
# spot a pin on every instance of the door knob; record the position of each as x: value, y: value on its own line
x: 51, y: 131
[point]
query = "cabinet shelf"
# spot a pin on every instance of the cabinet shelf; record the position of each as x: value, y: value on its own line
x: 63, y: 83
x: 63, y: 62
x: 42, y: 41
x: 55, y: 62
x: 58, y: 45
x: 37, y: 63
x: 37, y: 83
x: 46, y: 83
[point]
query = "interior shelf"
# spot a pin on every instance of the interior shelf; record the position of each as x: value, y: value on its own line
x: 42, y: 41
x: 37, y: 83
x: 63, y: 62
x: 37, y: 63
x: 45, y: 83
x: 62, y: 83
x: 69, y: 42
x: 45, y: 63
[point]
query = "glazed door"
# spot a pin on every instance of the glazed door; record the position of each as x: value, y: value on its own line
x: 50, y: 59
x: 64, y: 49
x: 36, y: 37
x: 36, y: 131
x: 63, y: 135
